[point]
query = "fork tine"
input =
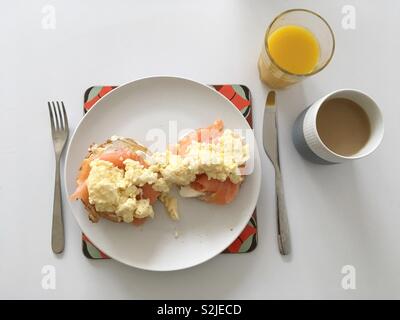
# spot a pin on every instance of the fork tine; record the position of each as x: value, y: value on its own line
x: 60, y: 118
x: 51, y: 117
x: 65, y: 116
x: 56, y: 121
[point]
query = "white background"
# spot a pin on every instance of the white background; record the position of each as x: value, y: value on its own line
x: 339, y: 215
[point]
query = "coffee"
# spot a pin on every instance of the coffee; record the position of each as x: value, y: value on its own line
x: 343, y: 126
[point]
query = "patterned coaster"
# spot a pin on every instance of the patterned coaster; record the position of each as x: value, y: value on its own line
x: 239, y: 95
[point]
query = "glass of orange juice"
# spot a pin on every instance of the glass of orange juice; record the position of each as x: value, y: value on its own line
x: 298, y: 43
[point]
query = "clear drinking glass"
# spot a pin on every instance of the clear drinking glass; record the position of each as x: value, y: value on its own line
x: 277, y: 77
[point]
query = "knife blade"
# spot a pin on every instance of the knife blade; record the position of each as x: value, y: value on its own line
x: 270, y: 135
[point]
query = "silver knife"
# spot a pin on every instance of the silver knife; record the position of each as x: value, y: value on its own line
x: 270, y: 140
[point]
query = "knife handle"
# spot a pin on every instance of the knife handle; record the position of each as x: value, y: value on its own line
x: 282, y: 219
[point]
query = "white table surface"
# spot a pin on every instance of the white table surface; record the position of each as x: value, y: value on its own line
x: 339, y: 215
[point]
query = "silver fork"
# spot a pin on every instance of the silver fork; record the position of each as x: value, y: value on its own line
x: 59, y: 132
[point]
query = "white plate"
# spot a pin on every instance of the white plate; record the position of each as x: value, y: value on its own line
x: 204, y: 230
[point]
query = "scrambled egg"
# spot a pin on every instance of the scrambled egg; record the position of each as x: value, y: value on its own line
x: 115, y: 190
x: 219, y: 160
x: 171, y: 204
x: 137, y: 174
x: 105, y: 183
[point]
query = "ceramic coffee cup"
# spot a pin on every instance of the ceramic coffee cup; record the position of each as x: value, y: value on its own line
x: 308, y: 141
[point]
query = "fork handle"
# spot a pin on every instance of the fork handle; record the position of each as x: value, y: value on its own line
x: 57, y: 232
x: 281, y: 213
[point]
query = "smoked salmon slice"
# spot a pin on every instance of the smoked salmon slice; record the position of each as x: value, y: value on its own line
x: 118, y: 157
x: 149, y: 193
x: 84, y: 171
x: 139, y: 221
x: 81, y: 193
x: 218, y: 192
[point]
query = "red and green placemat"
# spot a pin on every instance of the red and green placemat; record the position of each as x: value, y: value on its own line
x: 239, y: 95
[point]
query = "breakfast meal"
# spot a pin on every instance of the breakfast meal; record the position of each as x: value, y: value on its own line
x: 116, y: 182
x: 120, y: 180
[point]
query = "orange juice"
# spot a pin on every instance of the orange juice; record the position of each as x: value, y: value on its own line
x: 297, y: 44
x: 294, y: 49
